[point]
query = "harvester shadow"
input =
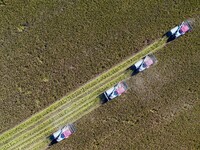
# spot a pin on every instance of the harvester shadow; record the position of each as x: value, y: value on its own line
x: 102, y: 98
x: 169, y: 36
x: 133, y: 69
x: 52, y: 140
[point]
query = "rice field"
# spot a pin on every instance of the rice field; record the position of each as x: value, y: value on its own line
x: 52, y: 48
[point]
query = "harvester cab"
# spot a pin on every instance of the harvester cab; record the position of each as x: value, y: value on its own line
x: 143, y: 64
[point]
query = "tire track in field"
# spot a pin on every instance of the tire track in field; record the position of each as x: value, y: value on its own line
x: 150, y: 48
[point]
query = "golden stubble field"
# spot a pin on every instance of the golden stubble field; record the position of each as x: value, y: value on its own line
x: 50, y: 48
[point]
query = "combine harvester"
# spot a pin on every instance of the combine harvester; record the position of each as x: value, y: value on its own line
x: 62, y: 134
x: 179, y: 30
